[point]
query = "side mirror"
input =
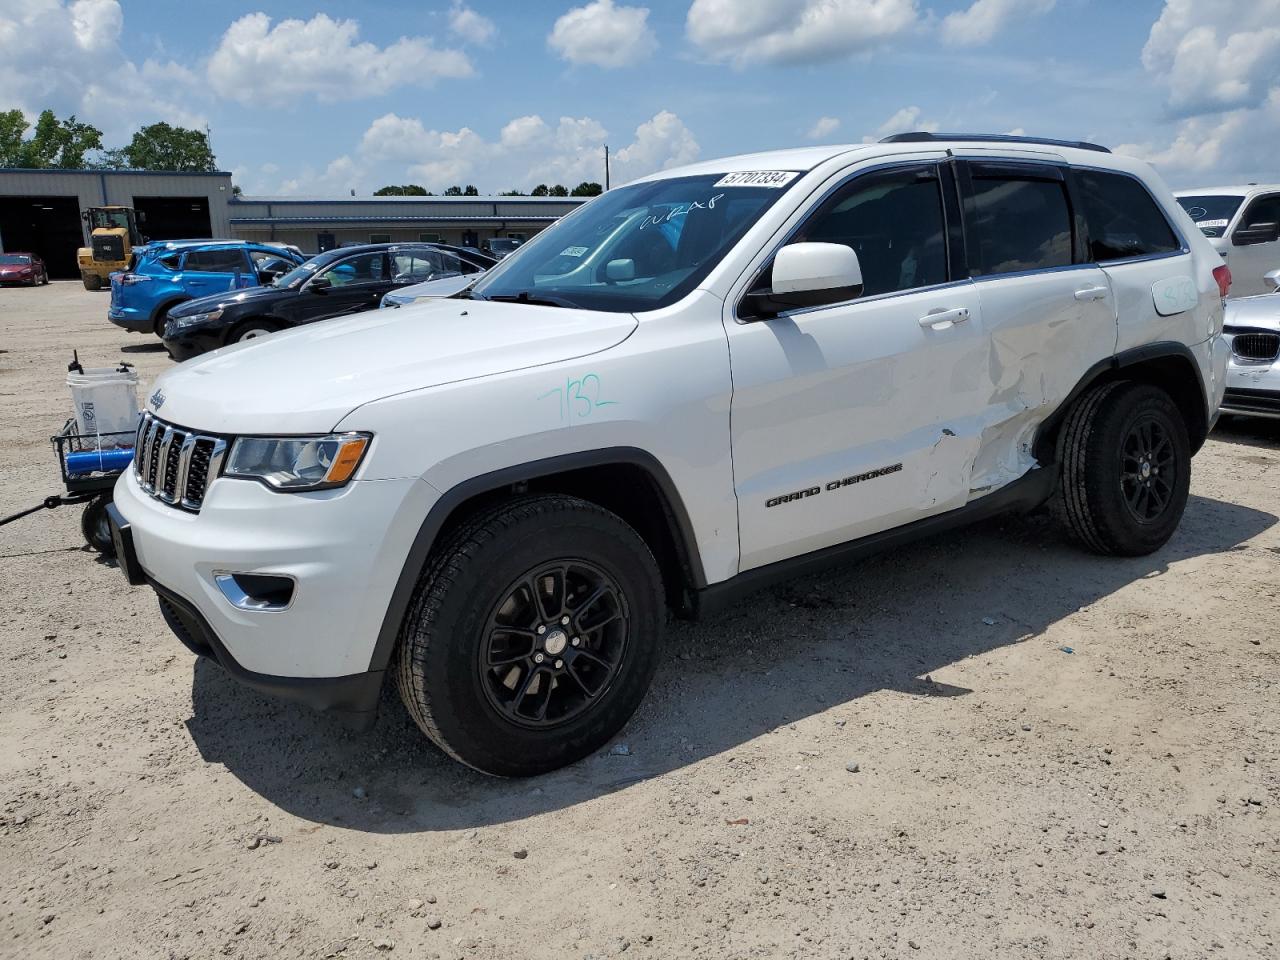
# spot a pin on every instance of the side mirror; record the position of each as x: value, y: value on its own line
x: 320, y: 285
x: 619, y: 270
x: 1273, y: 280
x: 1256, y: 233
x: 809, y: 275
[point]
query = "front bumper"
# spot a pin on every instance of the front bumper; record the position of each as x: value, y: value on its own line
x: 1253, y: 388
x: 192, y: 343
x: 344, y: 548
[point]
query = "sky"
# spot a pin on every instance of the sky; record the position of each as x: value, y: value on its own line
x: 308, y: 98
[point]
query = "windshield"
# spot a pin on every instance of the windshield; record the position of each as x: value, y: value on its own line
x: 301, y: 273
x: 13, y: 258
x: 1211, y: 214
x: 636, y: 248
x: 110, y: 218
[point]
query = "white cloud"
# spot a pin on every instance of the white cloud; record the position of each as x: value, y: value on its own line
x: 985, y: 18
x: 795, y: 31
x: 323, y: 57
x: 469, y: 25
x: 824, y: 128
x: 67, y: 57
x: 527, y: 151
x: 604, y: 35
x: 1219, y: 62
x: 1216, y: 55
x: 904, y: 121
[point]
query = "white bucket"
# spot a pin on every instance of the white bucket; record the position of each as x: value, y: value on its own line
x: 106, y: 402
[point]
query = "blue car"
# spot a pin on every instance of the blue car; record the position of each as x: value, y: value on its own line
x: 171, y: 272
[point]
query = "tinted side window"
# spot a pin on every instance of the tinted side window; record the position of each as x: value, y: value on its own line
x: 1123, y: 220
x: 1263, y: 210
x: 1016, y: 224
x: 365, y: 268
x: 894, y: 223
x: 223, y: 260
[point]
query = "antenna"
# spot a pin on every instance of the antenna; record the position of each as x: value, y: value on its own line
x: 606, y: 166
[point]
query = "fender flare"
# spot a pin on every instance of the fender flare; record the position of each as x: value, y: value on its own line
x: 434, y: 522
x: 1044, y: 447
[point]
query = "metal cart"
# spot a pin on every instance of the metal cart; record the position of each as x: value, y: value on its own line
x: 89, y: 474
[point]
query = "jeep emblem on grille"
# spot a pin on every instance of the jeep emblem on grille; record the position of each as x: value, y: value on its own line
x: 157, y: 399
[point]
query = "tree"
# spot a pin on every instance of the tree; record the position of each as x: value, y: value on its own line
x: 55, y: 143
x: 454, y: 191
x: 541, y: 190
x: 236, y: 191
x: 512, y: 193
x: 162, y: 147
x: 471, y: 191
x: 403, y: 190
x: 587, y: 189
x: 557, y: 191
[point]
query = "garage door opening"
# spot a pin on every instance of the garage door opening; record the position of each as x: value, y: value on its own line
x: 46, y: 226
x: 174, y: 218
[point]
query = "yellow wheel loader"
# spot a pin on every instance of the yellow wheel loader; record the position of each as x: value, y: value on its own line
x: 113, y: 233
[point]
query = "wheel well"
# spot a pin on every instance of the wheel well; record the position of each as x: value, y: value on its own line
x: 626, y: 489
x: 158, y: 315
x: 1175, y: 374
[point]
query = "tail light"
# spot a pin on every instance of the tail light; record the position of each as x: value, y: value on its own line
x: 129, y: 279
x: 1223, y: 275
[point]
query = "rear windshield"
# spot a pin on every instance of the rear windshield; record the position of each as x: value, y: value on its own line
x: 1212, y: 214
x: 13, y: 258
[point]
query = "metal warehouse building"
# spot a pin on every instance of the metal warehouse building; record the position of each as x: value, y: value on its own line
x: 40, y: 212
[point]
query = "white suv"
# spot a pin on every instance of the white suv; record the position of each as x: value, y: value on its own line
x: 1243, y: 224
x: 704, y: 381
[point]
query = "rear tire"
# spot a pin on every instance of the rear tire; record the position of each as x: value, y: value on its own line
x: 91, y: 281
x: 479, y: 676
x: 1126, y: 469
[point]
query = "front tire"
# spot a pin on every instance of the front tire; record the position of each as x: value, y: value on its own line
x: 252, y: 330
x: 91, y: 281
x: 533, y: 635
x: 1126, y: 469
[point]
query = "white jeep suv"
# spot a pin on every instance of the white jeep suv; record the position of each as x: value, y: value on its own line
x: 699, y: 383
x: 1243, y: 224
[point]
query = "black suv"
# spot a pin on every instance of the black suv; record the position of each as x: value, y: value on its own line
x: 336, y: 283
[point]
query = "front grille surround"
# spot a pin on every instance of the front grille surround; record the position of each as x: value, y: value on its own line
x: 1260, y: 345
x: 175, y: 465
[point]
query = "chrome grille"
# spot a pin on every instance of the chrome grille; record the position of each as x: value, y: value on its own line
x: 1256, y: 346
x: 176, y: 465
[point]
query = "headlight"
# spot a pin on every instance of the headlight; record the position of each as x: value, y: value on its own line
x: 191, y: 319
x: 298, y: 463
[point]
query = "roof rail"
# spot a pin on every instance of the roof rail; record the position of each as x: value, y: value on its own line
x: 921, y: 136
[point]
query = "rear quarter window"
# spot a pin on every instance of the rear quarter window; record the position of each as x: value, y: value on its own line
x: 1122, y: 218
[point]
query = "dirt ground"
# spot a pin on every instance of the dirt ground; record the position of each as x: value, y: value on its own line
x: 1056, y: 755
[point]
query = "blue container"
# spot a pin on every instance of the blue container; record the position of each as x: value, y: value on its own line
x: 106, y: 461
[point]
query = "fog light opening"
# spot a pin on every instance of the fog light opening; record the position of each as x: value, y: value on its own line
x: 256, y: 591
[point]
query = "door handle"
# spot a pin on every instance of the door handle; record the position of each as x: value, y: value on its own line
x: 1092, y: 293
x: 944, y: 319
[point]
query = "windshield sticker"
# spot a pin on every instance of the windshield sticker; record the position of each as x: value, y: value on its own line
x: 773, y: 179
x: 679, y: 210
x: 1210, y: 224
x: 573, y: 251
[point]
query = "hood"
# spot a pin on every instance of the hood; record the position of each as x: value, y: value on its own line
x: 307, y: 379
x: 1261, y: 312
x: 444, y: 287
x: 230, y: 298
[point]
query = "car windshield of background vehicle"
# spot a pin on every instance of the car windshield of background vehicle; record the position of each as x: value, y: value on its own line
x: 301, y: 273
x: 12, y: 258
x: 636, y: 248
x: 1211, y: 214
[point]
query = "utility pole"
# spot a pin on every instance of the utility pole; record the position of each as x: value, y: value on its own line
x: 606, y: 166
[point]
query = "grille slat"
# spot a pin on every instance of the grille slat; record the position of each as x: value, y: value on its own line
x: 1256, y: 346
x: 175, y: 465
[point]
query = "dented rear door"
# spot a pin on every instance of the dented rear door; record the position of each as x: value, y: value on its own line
x: 1049, y: 316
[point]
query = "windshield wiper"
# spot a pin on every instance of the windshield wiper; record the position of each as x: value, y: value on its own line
x: 542, y: 300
